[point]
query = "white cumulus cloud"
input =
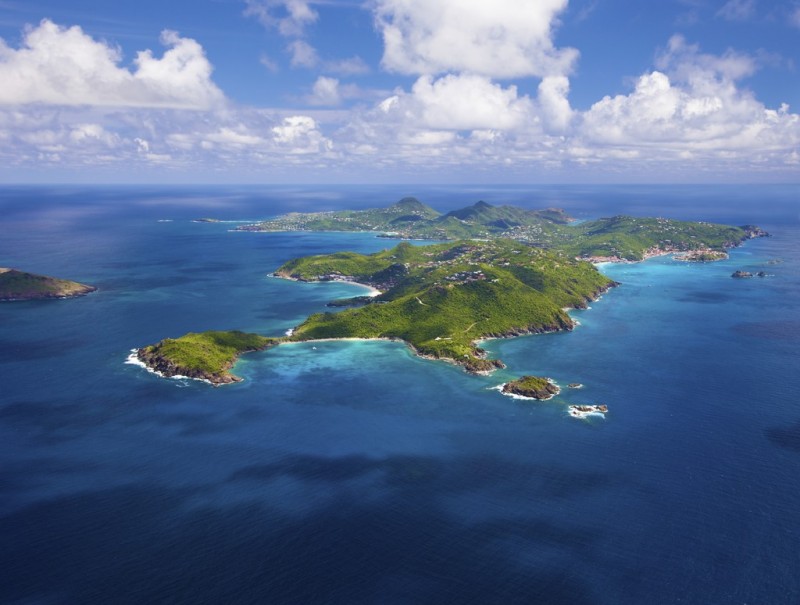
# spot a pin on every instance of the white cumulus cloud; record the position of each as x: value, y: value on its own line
x: 685, y: 62
x: 498, y: 39
x: 460, y: 102
x: 325, y: 92
x: 64, y: 66
x: 696, y: 109
x: 300, y: 135
x: 554, y: 104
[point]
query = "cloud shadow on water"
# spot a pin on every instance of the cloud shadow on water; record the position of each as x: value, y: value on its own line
x: 143, y: 544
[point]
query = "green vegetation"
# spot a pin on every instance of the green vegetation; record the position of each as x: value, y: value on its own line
x: 441, y: 299
x: 207, y: 355
x: 18, y: 285
x: 509, y: 272
x: 400, y: 217
x: 616, y: 238
x: 354, y: 301
x: 534, y: 387
x: 629, y: 238
x: 411, y: 219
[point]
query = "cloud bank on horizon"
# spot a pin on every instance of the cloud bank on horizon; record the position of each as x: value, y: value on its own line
x: 461, y: 90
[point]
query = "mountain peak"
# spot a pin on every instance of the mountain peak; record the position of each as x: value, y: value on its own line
x: 411, y: 207
x: 409, y: 202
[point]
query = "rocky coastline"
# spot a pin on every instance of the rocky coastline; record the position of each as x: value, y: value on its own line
x: 207, y: 356
x: 167, y: 368
x: 583, y: 411
x: 531, y: 387
x: 740, y: 274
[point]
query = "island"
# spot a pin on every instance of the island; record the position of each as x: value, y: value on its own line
x: 207, y: 356
x: 441, y: 300
x: 613, y: 239
x: 531, y: 387
x: 499, y: 272
x: 18, y: 285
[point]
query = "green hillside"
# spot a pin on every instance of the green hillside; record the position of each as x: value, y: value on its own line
x: 401, y: 216
x: 207, y: 355
x: 632, y: 238
x: 615, y: 238
x: 442, y: 298
x: 510, y: 272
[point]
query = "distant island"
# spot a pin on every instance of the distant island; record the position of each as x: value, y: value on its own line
x: 615, y: 239
x: 502, y: 271
x: 19, y: 285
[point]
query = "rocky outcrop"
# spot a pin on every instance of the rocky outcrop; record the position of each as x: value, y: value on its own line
x: 754, y: 231
x: 532, y: 387
x: 482, y: 366
x: 745, y: 274
x: 582, y: 411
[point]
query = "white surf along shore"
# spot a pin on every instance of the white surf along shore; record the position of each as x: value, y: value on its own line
x: 133, y: 359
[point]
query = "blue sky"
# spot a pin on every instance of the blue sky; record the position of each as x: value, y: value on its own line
x: 298, y: 91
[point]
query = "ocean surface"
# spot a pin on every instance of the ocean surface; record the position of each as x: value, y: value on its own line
x: 353, y: 472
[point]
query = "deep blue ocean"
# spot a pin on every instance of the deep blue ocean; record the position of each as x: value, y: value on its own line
x: 353, y: 472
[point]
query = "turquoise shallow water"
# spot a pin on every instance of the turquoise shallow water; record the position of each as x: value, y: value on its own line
x: 353, y: 472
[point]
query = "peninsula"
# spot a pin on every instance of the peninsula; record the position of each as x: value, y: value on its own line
x: 207, y: 356
x: 444, y: 298
x: 19, y: 285
x: 502, y: 271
